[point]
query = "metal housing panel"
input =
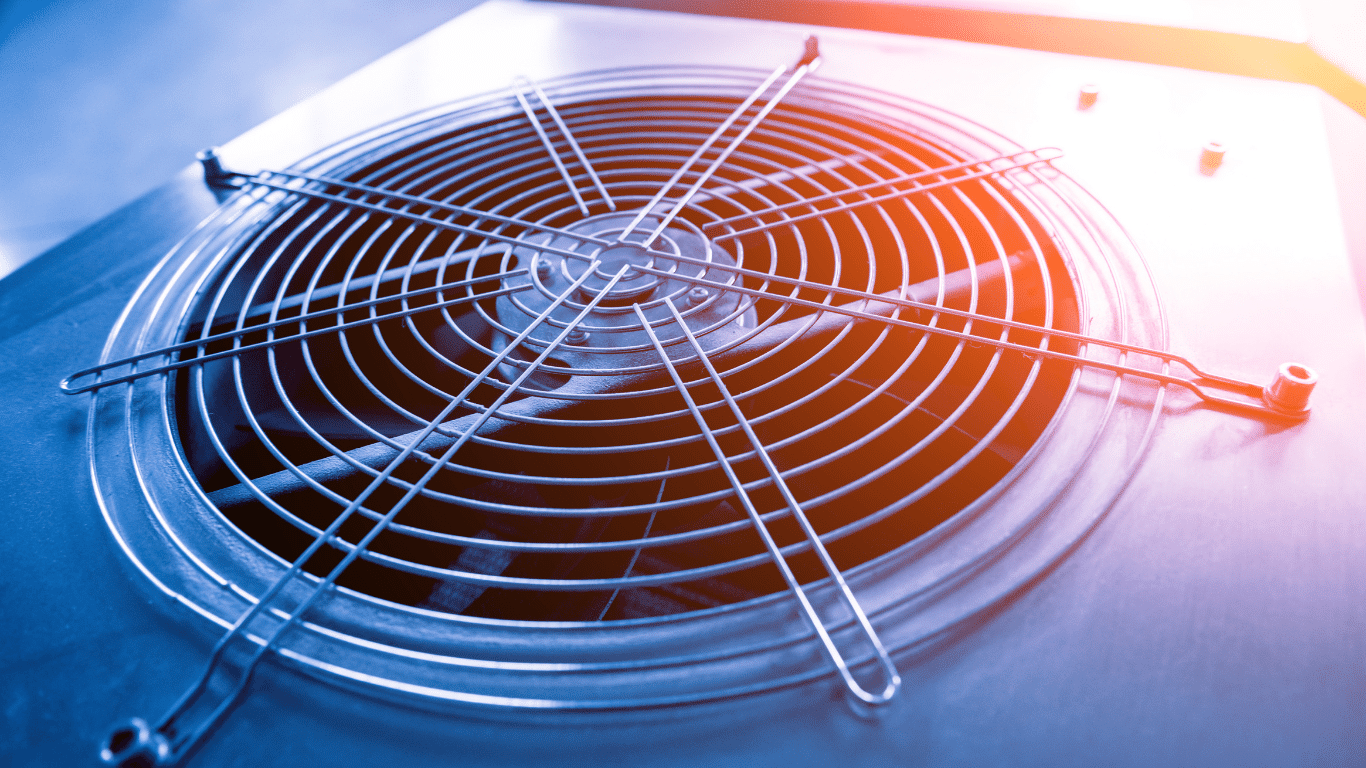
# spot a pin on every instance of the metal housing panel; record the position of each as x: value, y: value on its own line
x: 1212, y: 617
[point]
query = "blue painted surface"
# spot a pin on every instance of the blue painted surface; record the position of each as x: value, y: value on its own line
x: 102, y: 100
x: 1182, y: 633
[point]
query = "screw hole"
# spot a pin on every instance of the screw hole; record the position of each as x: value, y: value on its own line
x: 121, y: 738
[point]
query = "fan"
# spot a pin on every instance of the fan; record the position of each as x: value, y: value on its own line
x: 594, y: 494
x: 651, y: 350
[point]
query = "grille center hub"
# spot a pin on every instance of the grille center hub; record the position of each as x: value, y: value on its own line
x: 633, y: 285
x: 611, y: 334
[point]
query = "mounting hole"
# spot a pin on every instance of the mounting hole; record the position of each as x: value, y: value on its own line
x: 1300, y: 372
x: 1289, y: 391
x: 121, y: 738
x: 132, y: 744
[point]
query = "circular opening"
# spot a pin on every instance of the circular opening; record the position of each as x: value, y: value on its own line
x: 598, y: 491
x: 121, y: 739
x: 939, y: 475
x: 1299, y: 372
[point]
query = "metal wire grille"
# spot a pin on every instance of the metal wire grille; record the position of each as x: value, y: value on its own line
x: 643, y: 388
x: 592, y: 493
x: 633, y: 390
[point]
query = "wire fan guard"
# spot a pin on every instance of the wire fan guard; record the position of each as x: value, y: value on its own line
x: 587, y: 531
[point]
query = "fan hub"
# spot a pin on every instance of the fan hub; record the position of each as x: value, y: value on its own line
x: 612, y: 327
x: 634, y: 284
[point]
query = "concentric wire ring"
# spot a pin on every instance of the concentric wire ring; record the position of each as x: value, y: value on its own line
x: 591, y: 495
x: 884, y: 432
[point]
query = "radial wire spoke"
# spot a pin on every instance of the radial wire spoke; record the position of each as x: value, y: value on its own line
x: 521, y: 84
x: 236, y: 335
x: 1018, y: 160
x: 550, y: 149
x: 604, y: 386
x: 674, y: 256
x: 956, y: 286
x: 440, y: 223
x: 263, y: 180
x: 1206, y: 386
x: 777, y: 178
x: 808, y: 63
x: 167, y: 724
x: 889, y: 669
x: 701, y: 150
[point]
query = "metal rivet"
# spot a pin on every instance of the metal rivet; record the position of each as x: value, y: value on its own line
x: 697, y: 295
x: 215, y: 175
x: 578, y: 337
x: 133, y: 743
x: 1289, y: 391
x: 812, y: 53
x: 1211, y: 157
x: 1087, y: 97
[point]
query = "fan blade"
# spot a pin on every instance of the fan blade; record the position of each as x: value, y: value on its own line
x: 957, y: 285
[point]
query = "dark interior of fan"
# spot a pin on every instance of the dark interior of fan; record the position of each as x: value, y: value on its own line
x: 594, y: 495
